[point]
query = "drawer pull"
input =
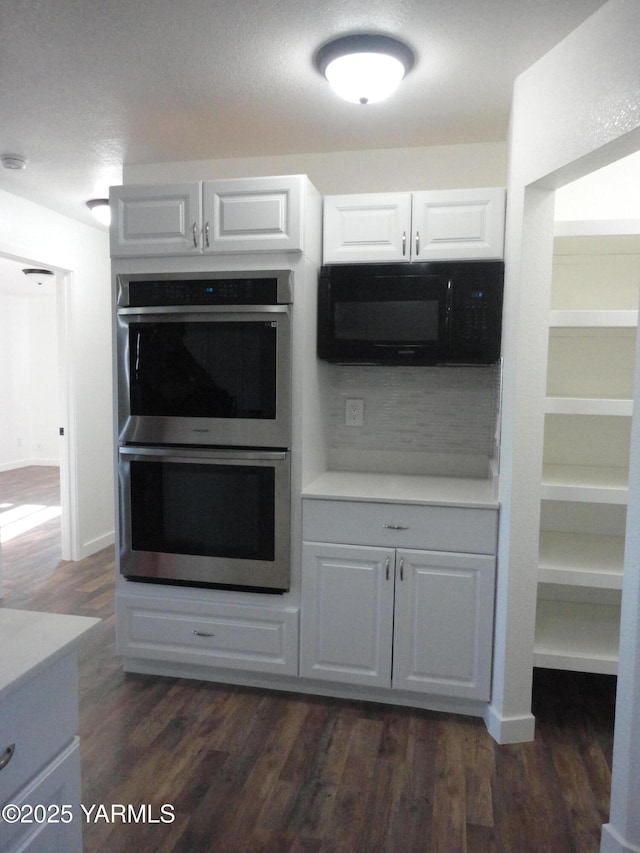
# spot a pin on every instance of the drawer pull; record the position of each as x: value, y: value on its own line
x: 8, y: 755
x: 202, y: 634
x: 396, y: 526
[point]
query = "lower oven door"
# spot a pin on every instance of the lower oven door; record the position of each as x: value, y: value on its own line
x: 205, y: 517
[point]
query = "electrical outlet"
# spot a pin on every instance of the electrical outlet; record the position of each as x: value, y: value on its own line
x: 354, y: 412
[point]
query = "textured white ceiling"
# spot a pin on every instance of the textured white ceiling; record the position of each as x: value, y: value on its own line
x: 87, y: 85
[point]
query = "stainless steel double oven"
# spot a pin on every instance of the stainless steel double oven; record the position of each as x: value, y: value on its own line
x: 204, y: 428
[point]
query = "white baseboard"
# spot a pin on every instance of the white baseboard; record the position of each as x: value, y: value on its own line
x: 27, y: 463
x: 509, y: 729
x: 87, y: 549
x: 612, y: 842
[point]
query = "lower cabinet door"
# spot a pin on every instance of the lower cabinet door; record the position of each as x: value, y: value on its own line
x: 347, y: 614
x: 444, y: 623
x: 51, y: 818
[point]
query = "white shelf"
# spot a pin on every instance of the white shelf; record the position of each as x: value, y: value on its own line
x: 589, y: 483
x: 593, y: 319
x: 589, y: 406
x: 576, y: 636
x: 581, y: 559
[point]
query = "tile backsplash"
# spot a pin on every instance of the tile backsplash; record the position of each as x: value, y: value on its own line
x: 427, y: 420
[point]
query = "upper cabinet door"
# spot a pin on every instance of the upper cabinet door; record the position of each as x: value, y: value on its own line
x: 367, y: 227
x: 253, y: 215
x: 155, y: 220
x: 458, y: 225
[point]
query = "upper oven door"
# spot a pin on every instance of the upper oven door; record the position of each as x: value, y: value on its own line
x: 203, y: 375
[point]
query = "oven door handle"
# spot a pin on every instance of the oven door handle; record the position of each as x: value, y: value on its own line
x: 179, y: 310
x: 208, y: 454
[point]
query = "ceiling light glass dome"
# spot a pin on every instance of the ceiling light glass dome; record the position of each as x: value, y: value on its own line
x: 364, y: 69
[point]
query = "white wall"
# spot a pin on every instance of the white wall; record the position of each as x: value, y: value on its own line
x: 574, y: 111
x: 389, y: 170
x: 29, y: 412
x: 33, y: 233
x: 612, y: 193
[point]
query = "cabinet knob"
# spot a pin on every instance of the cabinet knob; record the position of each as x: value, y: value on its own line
x: 404, y: 243
x: 417, y: 243
x: 195, y: 236
x: 206, y: 235
x: 7, y: 756
x: 401, y: 568
x: 386, y: 567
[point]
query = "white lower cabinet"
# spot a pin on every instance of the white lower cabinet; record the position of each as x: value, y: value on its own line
x: 40, y: 752
x: 414, y: 620
x: 210, y: 634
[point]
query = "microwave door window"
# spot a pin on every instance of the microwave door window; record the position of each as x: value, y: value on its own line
x: 209, y: 370
x: 389, y: 320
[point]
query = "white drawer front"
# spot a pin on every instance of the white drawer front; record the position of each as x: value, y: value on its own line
x: 258, y: 639
x: 435, y: 528
x: 40, y: 718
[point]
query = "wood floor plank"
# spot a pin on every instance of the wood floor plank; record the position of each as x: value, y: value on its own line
x: 253, y: 771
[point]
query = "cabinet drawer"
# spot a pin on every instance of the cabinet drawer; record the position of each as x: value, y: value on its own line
x: 259, y: 639
x: 435, y: 528
x: 40, y: 717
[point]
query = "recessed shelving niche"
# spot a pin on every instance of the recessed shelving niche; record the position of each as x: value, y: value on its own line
x: 588, y: 409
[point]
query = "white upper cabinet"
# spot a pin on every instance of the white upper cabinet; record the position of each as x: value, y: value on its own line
x: 254, y: 215
x: 226, y: 216
x: 435, y: 225
x: 155, y: 220
x: 366, y: 228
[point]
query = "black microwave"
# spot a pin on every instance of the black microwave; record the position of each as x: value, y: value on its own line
x: 414, y: 314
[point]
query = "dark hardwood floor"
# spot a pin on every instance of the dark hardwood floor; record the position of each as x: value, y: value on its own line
x: 248, y: 770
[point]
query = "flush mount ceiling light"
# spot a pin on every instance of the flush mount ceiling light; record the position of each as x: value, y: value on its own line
x: 13, y: 161
x: 100, y: 209
x: 364, y: 68
x: 37, y: 275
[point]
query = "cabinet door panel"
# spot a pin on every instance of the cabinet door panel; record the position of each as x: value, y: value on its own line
x: 364, y: 228
x: 253, y: 215
x: 444, y: 623
x: 162, y: 220
x: 347, y: 614
x: 458, y: 224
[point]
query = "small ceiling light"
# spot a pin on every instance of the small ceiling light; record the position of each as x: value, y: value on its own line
x: 100, y: 209
x: 37, y: 275
x: 364, y: 68
x: 13, y: 161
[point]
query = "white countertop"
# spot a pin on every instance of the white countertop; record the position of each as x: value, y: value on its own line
x: 402, y: 488
x: 30, y: 640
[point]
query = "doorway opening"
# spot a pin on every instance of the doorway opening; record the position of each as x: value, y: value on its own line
x: 34, y: 394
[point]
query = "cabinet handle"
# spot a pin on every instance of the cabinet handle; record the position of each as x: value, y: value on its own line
x: 195, y: 236
x: 401, y: 568
x: 206, y: 235
x: 386, y: 567
x: 8, y: 755
x: 202, y: 634
x: 404, y: 243
x: 417, y: 243
x: 396, y: 526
